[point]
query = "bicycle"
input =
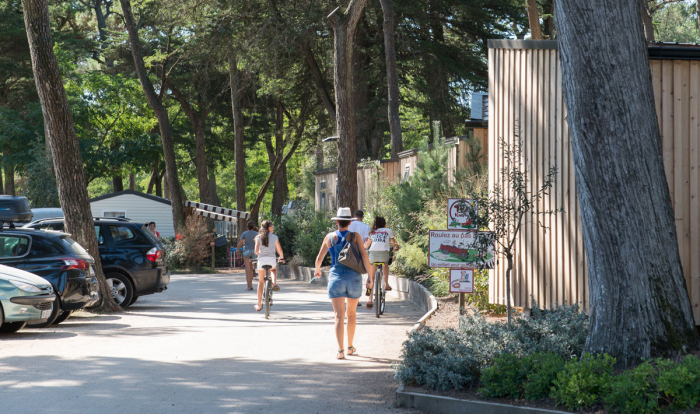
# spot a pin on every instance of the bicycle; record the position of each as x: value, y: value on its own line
x: 268, y: 289
x: 379, y: 258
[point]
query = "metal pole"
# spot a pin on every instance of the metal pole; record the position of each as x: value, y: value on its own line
x: 213, y: 260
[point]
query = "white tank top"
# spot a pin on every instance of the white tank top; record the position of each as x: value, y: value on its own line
x: 269, y: 251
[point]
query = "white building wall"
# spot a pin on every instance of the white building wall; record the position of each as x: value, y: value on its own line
x: 139, y: 209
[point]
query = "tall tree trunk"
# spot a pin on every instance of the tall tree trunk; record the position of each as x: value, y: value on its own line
x: 392, y: 78
x: 132, y: 182
x: 646, y: 19
x: 201, y: 161
x: 281, y: 190
x: 9, y: 176
x: 638, y: 296
x: 171, y: 176
x: 2, y: 187
x: 101, y: 18
x: 239, y: 153
x: 117, y: 183
x: 344, y: 24
x: 533, y: 17
x: 213, y: 195
x: 319, y: 81
x: 70, y: 177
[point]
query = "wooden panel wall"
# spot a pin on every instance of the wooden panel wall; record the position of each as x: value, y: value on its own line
x: 676, y: 92
x: 525, y: 87
x: 525, y: 99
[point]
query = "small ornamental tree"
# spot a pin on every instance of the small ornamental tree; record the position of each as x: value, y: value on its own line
x: 508, y: 206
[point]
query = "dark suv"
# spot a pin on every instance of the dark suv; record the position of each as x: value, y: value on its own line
x: 58, y: 259
x: 132, y: 258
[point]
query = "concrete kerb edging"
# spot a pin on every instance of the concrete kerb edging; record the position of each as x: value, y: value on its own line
x: 436, y: 404
x: 402, y: 288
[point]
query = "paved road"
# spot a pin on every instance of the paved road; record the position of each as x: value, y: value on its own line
x: 200, y: 347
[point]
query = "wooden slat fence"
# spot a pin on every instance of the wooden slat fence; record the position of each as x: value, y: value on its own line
x: 525, y: 89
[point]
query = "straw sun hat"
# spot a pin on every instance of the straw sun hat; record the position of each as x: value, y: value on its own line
x: 343, y: 214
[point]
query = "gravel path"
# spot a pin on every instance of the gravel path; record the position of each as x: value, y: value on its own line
x: 200, y: 347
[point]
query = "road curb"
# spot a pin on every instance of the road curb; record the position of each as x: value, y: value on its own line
x: 436, y: 404
x: 402, y: 288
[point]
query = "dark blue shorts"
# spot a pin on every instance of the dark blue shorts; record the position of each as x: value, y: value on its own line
x: 344, y: 282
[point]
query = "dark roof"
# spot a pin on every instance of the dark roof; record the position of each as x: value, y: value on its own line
x: 137, y: 193
x: 674, y: 51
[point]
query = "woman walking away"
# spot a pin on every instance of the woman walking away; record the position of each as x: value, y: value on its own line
x: 379, y: 239
x: 266, y: 244
x: 344, y: 283
x: 248, y: 243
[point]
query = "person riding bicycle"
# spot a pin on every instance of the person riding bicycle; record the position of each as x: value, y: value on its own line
x: 266, y: 244
x: 344, y: 283
x: 380, y: 239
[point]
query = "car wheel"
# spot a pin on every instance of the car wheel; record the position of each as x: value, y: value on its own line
x: 62, y: 317
x: 133, y: 300
x: 120, y: 288
x: 51, y: 319
x: 12, y: 327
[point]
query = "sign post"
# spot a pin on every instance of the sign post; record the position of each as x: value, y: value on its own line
x: 461, y: 248
x: 213, y: 260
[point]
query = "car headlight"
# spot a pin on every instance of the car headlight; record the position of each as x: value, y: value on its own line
x: 25, y: 286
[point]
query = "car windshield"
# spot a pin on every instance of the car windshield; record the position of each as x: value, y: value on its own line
x: 77, y: 249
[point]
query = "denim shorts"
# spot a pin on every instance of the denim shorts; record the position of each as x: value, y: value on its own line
x: 249, y: 253
x: 344, y: 282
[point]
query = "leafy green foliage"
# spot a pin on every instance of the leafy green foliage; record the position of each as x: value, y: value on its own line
x: 302, y: 233
x: 582, y: 383
x: 680, y: 383
x: 504, y: 378
x: 634, y: 391
x: 461, y: 354
x: 513, y: 377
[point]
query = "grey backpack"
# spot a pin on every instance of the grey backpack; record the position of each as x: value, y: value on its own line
x: 350, y: 255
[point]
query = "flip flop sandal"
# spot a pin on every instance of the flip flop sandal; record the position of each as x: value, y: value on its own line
x: 351, y: 350
x: 388, y: 288
x: 276, y: 288
x: 340, y: 354
x: 369, y: 305
x: 258, y: 308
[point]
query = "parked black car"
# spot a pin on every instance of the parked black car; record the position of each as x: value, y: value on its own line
x: 132, y: 258
x: 58, y: 259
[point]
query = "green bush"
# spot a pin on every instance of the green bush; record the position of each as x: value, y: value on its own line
x: 477, y: 343
x: 582, y: 383
x: 634, y: 391
x: 437, y: 359
x: 542, y: 369
x: 513, y: 377
x: 504, y: 378
x: 680, y: 383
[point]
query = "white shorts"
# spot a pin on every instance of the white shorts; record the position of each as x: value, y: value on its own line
x: 263, y: 261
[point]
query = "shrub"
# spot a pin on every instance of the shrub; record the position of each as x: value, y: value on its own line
x: 460, y: 355
x: 582, y: 383
x: 504, y: 378
x: 542, y: 369
x: 680, y: 383
x: 634, y: 391
x: 437, y: 359
x: 193, y: 247
x: 513, y: 377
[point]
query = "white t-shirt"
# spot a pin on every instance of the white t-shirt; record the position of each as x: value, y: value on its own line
x: 380, y: 239
x: 269, y: 251
x: 356, y: 226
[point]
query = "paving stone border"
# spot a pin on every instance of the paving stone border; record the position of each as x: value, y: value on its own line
x: 436, y: 404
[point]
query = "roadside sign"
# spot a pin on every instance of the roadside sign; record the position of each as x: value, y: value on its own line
x: 461, y: 213
x: 461, y: 281
x: 458, y: 249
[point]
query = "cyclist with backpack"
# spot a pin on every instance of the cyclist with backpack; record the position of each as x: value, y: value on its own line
x: 344, y: 283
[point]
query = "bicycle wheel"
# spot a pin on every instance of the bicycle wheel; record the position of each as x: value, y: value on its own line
x: 377, y: 289
x: 267, y: 292
x: 382, y: 301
